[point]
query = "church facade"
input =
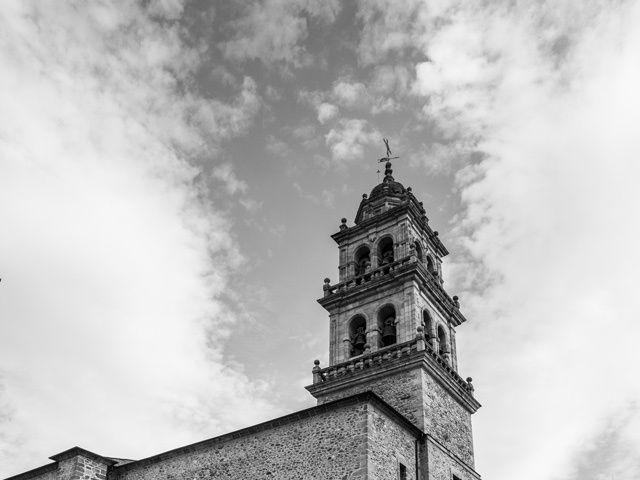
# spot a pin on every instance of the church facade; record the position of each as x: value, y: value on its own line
x: 390, y: 403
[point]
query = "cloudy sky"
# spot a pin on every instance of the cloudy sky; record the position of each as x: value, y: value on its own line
x: 170, y: 173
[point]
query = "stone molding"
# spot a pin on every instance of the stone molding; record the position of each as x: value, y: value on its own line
x: 357, y: 371
x: 398, y: 271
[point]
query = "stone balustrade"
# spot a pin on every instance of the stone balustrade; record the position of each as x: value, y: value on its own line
x: 432, y: 280
x: 365, y: 278
x: 385, y: 355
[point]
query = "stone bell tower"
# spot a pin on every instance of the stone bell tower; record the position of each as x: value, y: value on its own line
x: 392, y: 327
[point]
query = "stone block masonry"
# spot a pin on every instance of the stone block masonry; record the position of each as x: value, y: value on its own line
x: 330, y: 444
x: 356, y: 438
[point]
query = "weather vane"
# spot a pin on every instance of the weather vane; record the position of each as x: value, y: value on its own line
x: 388, y: 157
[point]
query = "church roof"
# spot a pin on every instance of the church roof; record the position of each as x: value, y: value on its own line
x: 364, y: 397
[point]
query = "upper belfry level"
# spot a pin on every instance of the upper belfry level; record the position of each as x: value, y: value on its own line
x: 390, y: 283
x: 392, y: 328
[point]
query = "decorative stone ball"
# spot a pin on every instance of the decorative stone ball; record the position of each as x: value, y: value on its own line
x: 367, y: 346
x: 420, y: 329
x: 327, y: 280
x: 408, y: 189
x: 455, y: 298
x: 436, y: 233
x: 469, y: 379
x: 344, y: 220
x: 364, y: 196
x: 316, y: 362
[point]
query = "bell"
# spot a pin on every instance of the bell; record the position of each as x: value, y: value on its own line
x: 389, y: 332
x: 359, y: 341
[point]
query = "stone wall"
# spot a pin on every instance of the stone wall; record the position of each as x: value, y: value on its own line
x: 447, y: 420
x: 442, y: 466
x: 330, y: 445
x: 402, y: 390
x: 389, y: 445
x: 74, y: 464
x: 424, y: 402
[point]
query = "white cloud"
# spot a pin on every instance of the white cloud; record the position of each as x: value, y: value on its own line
x: 351, y: 95
x: 326, y: 112
x: 274, y: 31
x: 550, y: 217
x: 348, y: 139
x: 113, y: 260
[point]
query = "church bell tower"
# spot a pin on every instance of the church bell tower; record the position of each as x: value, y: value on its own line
x: 392, y: 327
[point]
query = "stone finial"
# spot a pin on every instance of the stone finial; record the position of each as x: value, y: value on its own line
x: 409, y: 189
x: 343, y: 224
x: 317, y: 374
x: 327, y: 287
x: 420, y: 338
x: 364, y: 196
x: 367, y: 348
x: 435, y: 234
x: 455, y: 301
x: 470, y: 388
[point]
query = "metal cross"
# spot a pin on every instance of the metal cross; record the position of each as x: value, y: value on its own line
x: 388, y: 157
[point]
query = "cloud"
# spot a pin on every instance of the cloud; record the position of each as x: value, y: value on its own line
x: 348, y: 139
x: 547, y: 222
x: 392, y: 28
x: 326, y: 112
x: 352, y: 95
x: 325, y: 198
x: 612, y: 451
x: 277, y: 147
x: 274, y: 31
x: 390, y: 80
x: 224, y: 172
x: 115, y: 262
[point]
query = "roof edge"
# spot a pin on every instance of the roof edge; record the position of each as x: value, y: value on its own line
x: 367, y: 396
x: 75, y: 451
x: 50, y: 467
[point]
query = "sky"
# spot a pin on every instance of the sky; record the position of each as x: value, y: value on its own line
x: 171, y: 172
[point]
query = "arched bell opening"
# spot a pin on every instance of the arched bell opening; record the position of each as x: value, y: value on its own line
x: 357, y: 335
x: 363, y: 260
x: 442, y: 341
x: 431, y: 266
x: 385, y: 251
x: 418, y: 249
x: 387, y: 326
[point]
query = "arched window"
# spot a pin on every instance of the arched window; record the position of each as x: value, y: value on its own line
x: 431, y: 266
x: 363, y: 260
x: 385, y: 251
x: 442, y: 341
x: 387, y: 325
x: 357, y: 335
x: 418, y: 251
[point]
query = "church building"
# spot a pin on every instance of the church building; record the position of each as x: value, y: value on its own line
x: 390, y: 403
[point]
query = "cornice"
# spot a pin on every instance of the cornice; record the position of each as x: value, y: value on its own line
x: 425, y: 359
x: 397, y: 272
